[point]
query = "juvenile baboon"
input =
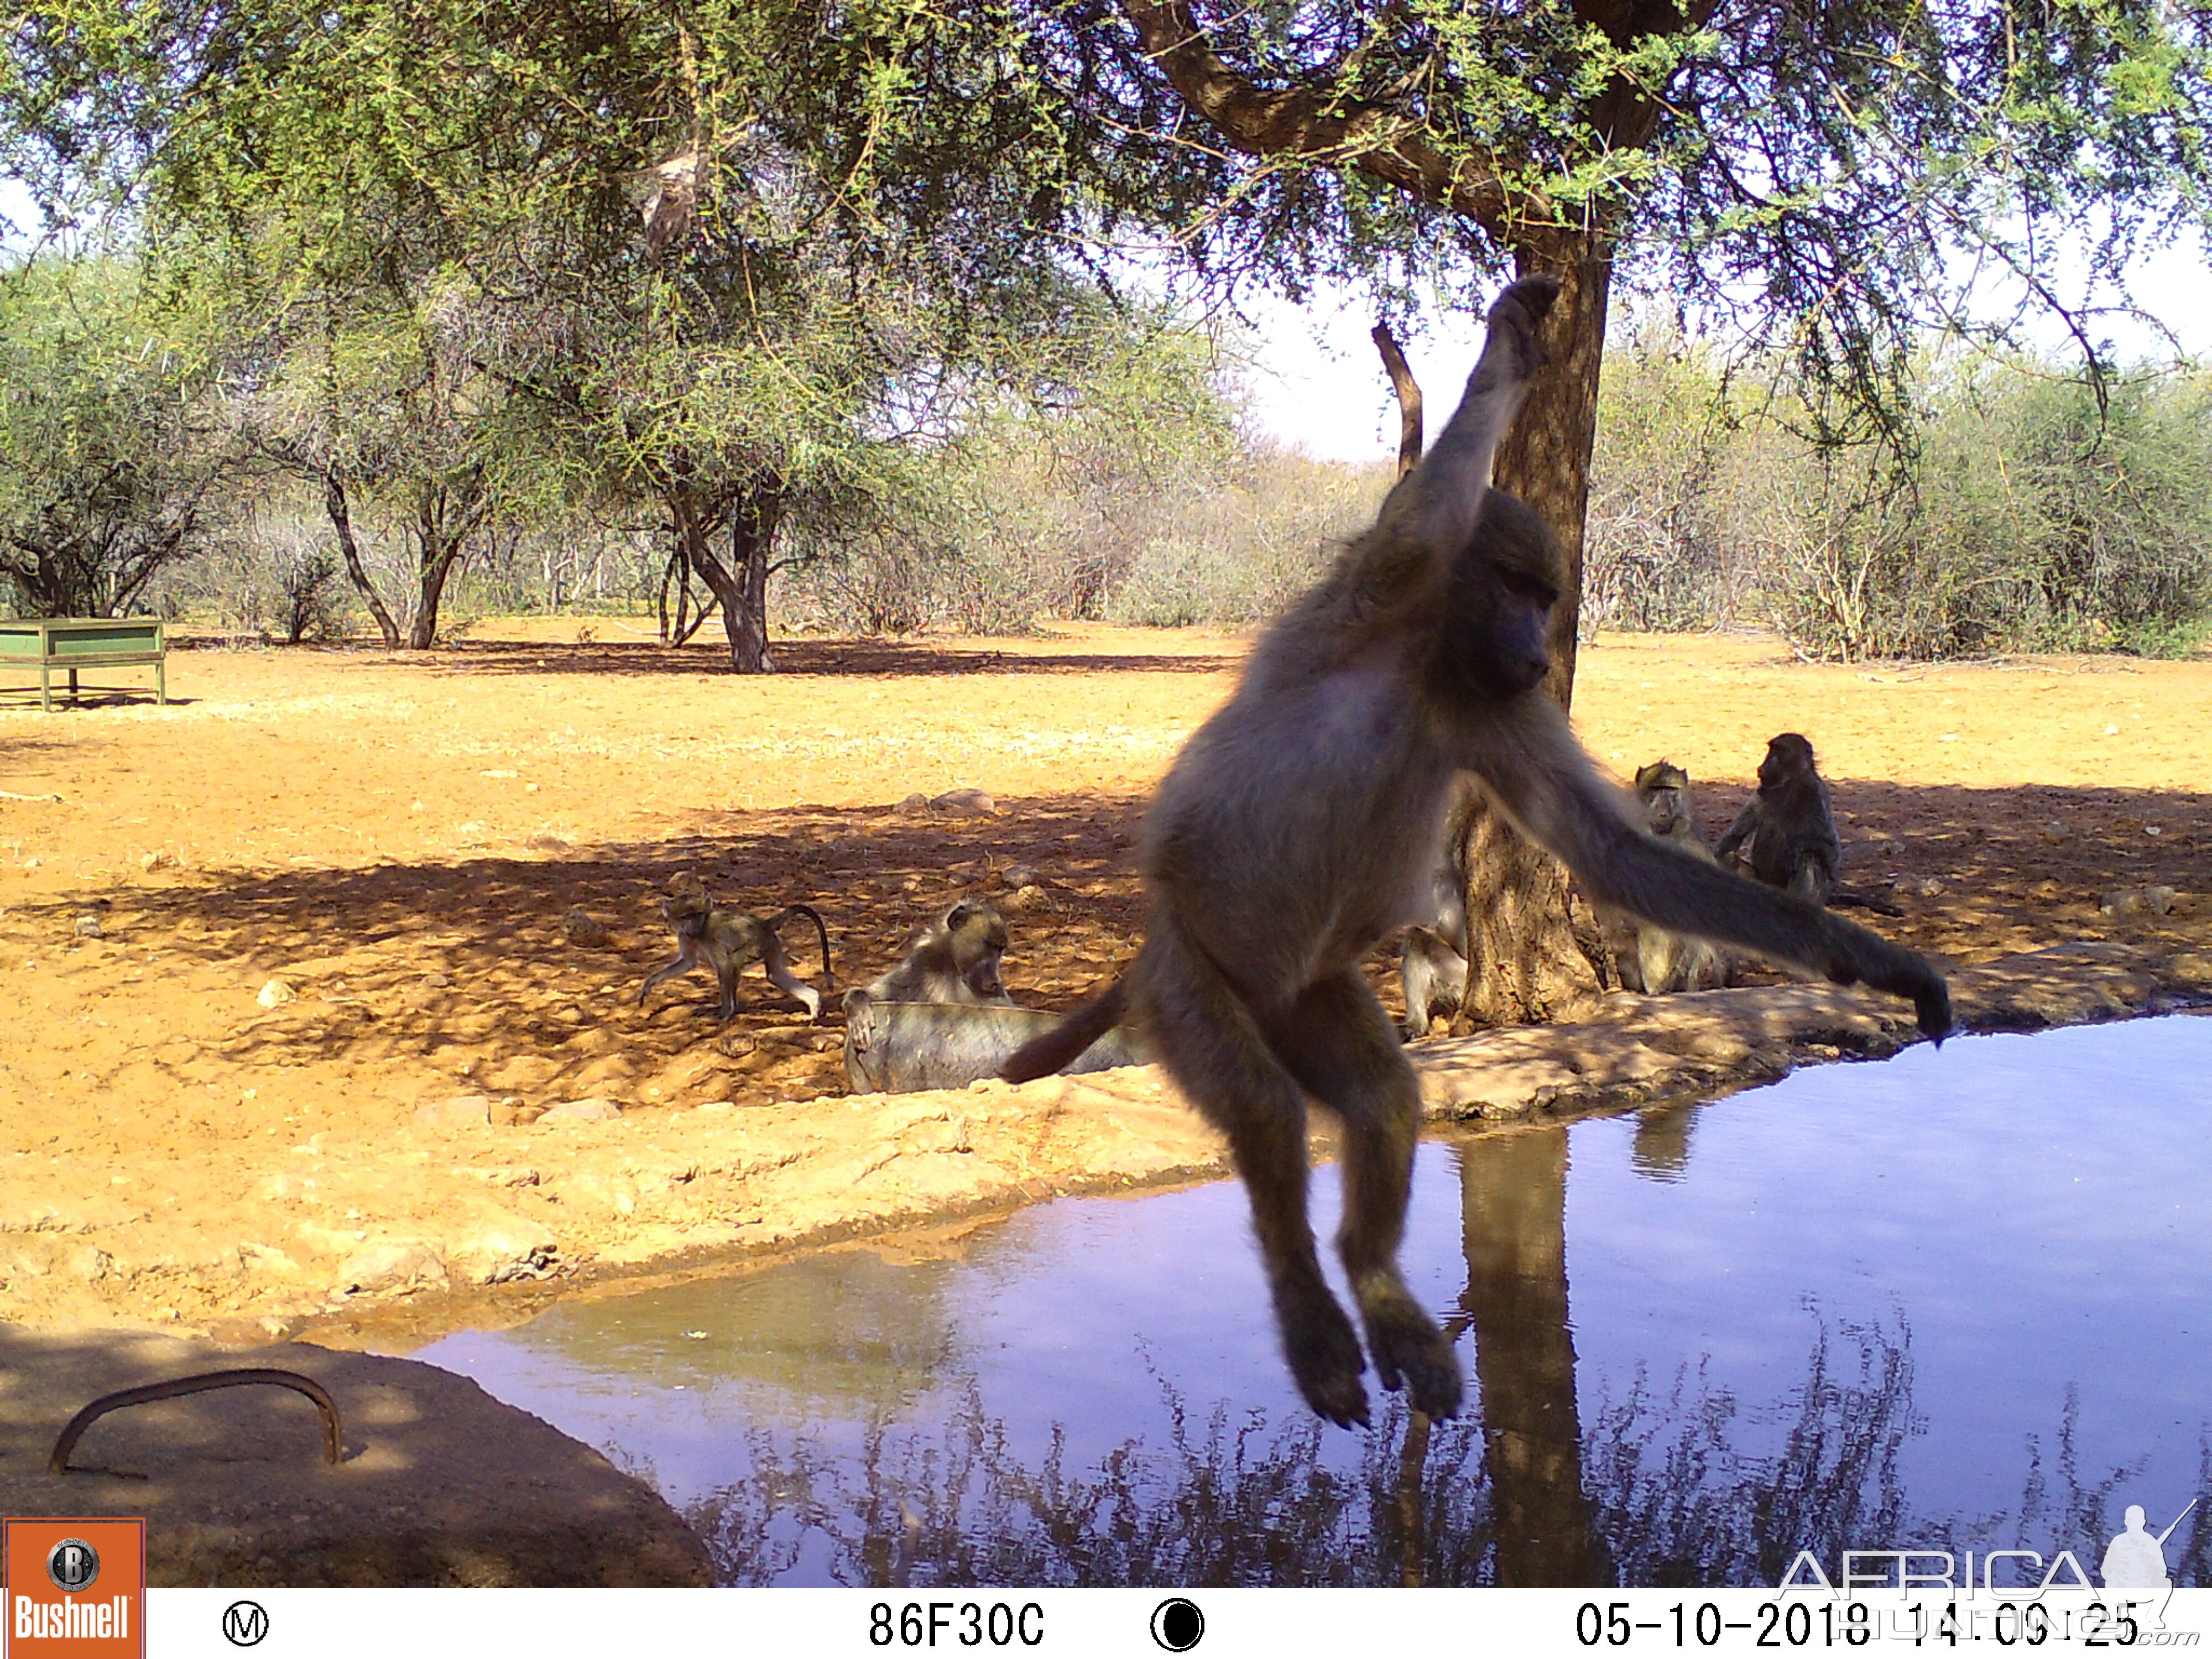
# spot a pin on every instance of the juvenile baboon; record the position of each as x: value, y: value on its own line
x: 935, y: 1045
x: 954, y: 959
x: 1432, y: 962
x: 726, y: 940
x: 1434, y: 974
x: 1300, y: 824
x: 581, y: 928
x: 1786, y: 834
x: 1666, y: 961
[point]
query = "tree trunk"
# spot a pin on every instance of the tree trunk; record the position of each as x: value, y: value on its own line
x: 439, y: 557
x: 442, y: 528
x: 741, y: 586
x: 334, y: 503
x: 1535, y: 951
x: 1513, y: 1232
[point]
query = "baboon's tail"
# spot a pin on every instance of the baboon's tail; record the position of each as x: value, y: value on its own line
x: 776, y: 922
x: 1840, y: 900
x: 1042, y: 1056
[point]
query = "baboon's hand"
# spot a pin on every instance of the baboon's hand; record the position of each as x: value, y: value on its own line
x: 859, y: 1020
x: 1931, y: 997
x: 1901, y: 973
x: 1510, y: 355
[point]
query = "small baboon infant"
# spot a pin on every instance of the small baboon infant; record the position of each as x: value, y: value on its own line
x: 727, y: 940
x: 954, y: 959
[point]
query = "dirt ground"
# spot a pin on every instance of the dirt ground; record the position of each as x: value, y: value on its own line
x: 394, y: 839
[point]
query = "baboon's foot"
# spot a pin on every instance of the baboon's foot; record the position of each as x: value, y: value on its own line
x: 1411, y: 1353
x: 1325, y: 1361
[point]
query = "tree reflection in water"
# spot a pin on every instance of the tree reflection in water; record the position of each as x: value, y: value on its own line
x: 1684, y: 1486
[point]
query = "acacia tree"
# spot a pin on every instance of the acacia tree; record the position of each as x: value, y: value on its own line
x: 1817, y: 172
x: 674, y: 280
x: 377, y: 397
x: 109, y: 452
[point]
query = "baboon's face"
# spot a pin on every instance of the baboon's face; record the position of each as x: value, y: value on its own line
x: 1788, y: 757
x: 1504, y: 588
x: 979, y: 939
x: 1665, y: 790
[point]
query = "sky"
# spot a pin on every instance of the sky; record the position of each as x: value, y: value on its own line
x: 1317, y: 381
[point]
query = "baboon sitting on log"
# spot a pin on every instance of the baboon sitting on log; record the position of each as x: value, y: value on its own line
x: 1299, y: 826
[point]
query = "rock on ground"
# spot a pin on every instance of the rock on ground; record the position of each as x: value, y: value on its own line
x: 440, y: 1484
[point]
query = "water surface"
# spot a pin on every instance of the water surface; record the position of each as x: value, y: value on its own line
x: 1960, y: 1297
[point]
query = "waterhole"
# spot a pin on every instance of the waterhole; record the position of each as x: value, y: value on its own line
x: 1959, y: 1298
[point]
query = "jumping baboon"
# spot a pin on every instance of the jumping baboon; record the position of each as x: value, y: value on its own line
x: 954, y: 959
x: 1666, y: 961
x: 1786, y: 834
x: 934, y: 1045
x: 728, y: 939
x: 1300, y: 824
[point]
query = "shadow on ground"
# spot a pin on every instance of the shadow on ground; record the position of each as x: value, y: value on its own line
x: 465, y: 964
x: 891, y: 658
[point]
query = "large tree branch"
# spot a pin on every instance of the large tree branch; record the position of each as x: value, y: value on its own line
x: 1379, y: 142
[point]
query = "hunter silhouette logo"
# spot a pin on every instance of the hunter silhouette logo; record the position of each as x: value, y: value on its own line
x: 2136, y: 1558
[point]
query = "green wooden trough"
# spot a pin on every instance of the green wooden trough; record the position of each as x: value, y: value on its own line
x: 76, y: 643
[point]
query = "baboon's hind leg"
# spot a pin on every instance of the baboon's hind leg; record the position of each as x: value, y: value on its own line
x: 726, y: 975
x: 1337, y: 1042
x: 777, y: 966
x: 1214, y: 1050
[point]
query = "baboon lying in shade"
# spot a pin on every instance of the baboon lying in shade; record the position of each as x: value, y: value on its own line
x: 1299, y: 826
x: 943, y: 1045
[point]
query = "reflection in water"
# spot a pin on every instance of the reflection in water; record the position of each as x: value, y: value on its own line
x: 1513, y: 1204
x: 1729, y: 1398
x: 1662, y: 1148
x: 1232, y: 1503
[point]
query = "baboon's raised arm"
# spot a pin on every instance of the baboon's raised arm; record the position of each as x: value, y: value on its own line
x: 1406, y: 559
x: 1539, y: 775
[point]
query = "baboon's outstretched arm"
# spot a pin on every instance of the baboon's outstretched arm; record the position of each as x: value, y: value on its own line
x: 1445, y: 489
x: 1534, y: 769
